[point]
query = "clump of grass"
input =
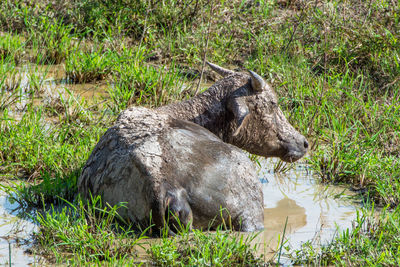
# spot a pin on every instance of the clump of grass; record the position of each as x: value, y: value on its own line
x: 11, y: 47
x: 10, y: 85
x: 14, y: 15
x: 32, y: 145
x: 138, y: 83
x: 282, y: 167
x: 69, y: 108
x: 84, y: 67
x: 8, y: 99
x: 86, y: 233
x: 33, y: 80
x: 49, y: 40
x: 198, y: 248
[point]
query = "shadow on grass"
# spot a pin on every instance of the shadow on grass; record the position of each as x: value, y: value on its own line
x: 51, y: 190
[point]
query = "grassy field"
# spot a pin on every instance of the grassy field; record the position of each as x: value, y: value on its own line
x: 334, y: 64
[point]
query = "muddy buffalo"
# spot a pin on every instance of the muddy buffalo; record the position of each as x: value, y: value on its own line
x: 184, y: 159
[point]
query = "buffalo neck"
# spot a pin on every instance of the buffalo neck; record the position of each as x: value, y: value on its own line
x: 207, y: 109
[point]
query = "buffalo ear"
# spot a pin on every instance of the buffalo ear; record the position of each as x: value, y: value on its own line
x: 240, y: 110
x: 257, y: 82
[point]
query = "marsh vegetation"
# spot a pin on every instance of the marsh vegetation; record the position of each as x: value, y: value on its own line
x: 335, y: 66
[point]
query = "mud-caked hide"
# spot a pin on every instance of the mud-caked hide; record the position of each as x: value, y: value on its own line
x: 176, y: 162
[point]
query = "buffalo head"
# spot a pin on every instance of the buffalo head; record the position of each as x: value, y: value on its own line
x: 257, y: 123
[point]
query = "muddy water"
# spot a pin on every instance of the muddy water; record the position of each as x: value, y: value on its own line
x: 52, y: 84
x: 313, y: 212
x: 55, y: 80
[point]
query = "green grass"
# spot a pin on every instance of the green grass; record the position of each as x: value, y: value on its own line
x: 135, y: 83
x: 84, y: 67
x: 199, y: 248
x: 11, y: 46
x: 88, y: 234
x: 334, y: 64
x: 50, y: 40
x: 32, y: 145
x: 373, y: 241
x: 10, y: 84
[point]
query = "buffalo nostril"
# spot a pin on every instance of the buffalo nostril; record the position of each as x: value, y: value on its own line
x: 305, y: 144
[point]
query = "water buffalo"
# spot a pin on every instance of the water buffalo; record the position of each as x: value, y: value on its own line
x: 184, y: 158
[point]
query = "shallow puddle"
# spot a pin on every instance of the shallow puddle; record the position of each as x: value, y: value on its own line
x: 313, y: 212
x: 14, y: 235
x: 52, y: 83
x: 55, y: 80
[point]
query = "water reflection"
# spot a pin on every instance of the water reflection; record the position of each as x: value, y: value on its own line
x: 15, y: 235
x: 314, y: 211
